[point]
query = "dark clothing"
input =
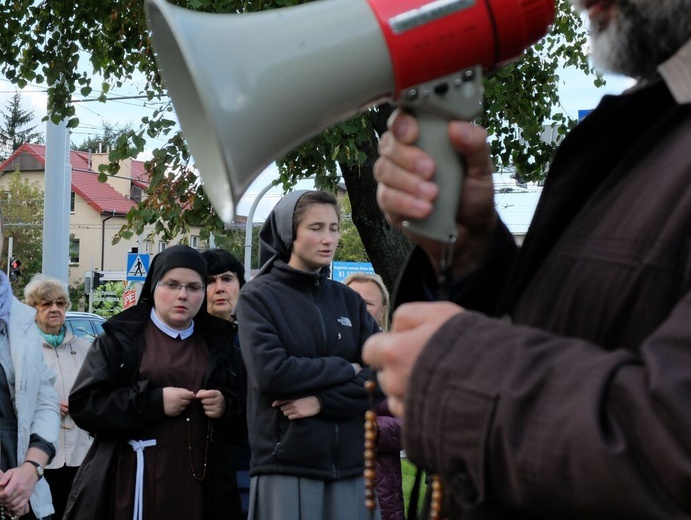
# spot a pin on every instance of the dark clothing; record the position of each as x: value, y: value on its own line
x: 299, y: 334
x: 181, y: 441
x: 60, y: 482
x: 389, y: 480
x: 241, y: 449
x: 118, y: 396
x: 579, y: 408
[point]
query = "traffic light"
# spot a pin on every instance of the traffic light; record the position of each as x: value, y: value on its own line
x: 15, y: 269
x: 96, y: 279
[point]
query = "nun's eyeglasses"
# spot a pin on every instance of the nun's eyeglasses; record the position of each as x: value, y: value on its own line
x: 174, y: 286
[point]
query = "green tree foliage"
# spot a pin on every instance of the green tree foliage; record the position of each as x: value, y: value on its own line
x: 13, y: 129
x: 105, y: 140
x: 77, y: 297
x: 22, y: 211
x: 68, y: 44
x: 233, y: 241
x: 350, y: 247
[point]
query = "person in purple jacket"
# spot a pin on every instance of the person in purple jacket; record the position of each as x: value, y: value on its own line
x: 389, y: 480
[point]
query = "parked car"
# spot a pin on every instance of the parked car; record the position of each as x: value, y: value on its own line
x: 84, y: 324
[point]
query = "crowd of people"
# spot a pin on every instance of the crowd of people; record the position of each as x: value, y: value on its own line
x: 165, y: 403
x: 553, y: 384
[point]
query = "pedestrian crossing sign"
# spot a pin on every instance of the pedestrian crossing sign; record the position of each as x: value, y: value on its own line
x: 137, y: 267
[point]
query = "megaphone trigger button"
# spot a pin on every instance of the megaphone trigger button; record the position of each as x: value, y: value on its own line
x: 441, y: 89
x: 411, y: 94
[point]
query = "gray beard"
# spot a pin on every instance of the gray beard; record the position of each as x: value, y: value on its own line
x: 642, y: 35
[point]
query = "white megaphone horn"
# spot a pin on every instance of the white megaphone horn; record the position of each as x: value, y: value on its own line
x: 248, y: 88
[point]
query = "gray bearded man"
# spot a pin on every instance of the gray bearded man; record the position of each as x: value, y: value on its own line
x: 558, y: 382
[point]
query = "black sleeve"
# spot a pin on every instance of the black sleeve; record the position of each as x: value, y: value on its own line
x: 106, y: 399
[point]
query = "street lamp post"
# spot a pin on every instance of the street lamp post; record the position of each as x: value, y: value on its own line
x: 248, y: 230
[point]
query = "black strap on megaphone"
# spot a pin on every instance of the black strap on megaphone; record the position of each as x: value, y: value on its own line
x: 444, y: 293
x: 413, y: 504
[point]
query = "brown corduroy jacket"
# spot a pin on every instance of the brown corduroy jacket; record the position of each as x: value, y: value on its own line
x: 565, y: 390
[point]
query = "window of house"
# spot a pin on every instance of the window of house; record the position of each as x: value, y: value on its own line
x: 148, y: 246
x: 72, y: 199
x: 136, y: 193
x: 162, y: 245
x: 74, y: 251
x: 194, y: 242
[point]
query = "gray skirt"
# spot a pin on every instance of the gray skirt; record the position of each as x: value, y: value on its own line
x: 283, y: 497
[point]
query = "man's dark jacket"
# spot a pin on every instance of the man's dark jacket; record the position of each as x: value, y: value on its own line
x: 574, y: 401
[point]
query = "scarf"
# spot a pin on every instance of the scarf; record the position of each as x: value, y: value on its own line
x: 54, y: 340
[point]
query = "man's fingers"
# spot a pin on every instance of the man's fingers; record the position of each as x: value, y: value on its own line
x: 403, y: 126
x: 412, y: 315
x: 470, y: 141
x: 398, y: 205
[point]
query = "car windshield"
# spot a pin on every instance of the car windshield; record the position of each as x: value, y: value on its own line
x: 85, y: 327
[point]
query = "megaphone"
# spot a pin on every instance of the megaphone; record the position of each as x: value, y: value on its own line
x: 248, y: 88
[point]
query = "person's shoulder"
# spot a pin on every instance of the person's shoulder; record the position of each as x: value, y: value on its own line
x: 21, y: 310
x: 341, y: 289
x: 77, y: 342
x: 260, y: 284
x: 133, y: 317
x: 22, y: 315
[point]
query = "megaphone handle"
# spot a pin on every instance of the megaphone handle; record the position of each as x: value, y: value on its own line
x: 450, y: 168
x: 435, y: 103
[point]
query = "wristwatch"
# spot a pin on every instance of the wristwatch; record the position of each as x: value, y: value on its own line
x: 39, y: 468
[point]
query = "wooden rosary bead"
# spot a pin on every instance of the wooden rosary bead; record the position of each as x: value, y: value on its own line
x: 209, y: 433
x: 435, y: 508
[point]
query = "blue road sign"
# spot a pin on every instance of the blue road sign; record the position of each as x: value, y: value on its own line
x: 341, y: 270
x: 583, y: 113
x: 137, y: 267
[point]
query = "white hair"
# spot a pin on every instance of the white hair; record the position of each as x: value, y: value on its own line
x: 635, y: 36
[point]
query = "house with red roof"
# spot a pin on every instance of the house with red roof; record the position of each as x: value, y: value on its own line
x: 97, y: 209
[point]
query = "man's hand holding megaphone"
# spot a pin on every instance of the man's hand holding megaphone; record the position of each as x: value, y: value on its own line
x: 406, y: 188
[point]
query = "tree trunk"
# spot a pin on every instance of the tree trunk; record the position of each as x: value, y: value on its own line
x: 386, y: 246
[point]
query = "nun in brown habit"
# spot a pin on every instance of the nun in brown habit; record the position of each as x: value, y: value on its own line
x: 159, y: 392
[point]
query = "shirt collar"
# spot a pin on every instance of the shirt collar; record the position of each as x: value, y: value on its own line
x: 676, y: 72
x: 168, y: 331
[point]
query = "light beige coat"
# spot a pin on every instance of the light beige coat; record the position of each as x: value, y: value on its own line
x: 66, y: 361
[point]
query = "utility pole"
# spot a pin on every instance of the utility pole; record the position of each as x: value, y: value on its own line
x: 10, y: 243
x: 56, y: 212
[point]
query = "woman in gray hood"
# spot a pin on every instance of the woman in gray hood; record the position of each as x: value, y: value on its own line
x: 301, y: 338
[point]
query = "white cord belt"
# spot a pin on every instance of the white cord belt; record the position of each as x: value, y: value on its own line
x: 139, y: 447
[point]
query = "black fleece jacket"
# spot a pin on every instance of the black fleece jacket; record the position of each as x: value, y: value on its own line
x: 299, y: 334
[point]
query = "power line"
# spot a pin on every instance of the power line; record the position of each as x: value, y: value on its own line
x: 87, y: 100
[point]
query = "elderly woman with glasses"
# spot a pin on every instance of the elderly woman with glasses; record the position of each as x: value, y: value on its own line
x: 159, y: 389
x: 64, y: 353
